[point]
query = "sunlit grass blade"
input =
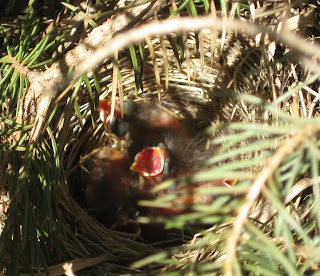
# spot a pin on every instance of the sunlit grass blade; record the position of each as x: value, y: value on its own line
x: 135, y: 66
x: 155, y: 67
x: 91, y: 98
x: 81, y: 13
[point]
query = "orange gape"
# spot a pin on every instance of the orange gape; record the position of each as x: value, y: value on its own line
x: 151, y: 163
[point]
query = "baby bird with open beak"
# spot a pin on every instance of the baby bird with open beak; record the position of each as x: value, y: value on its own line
x: 154, y: 165
x: 142, y: 125
x: 160, y: 147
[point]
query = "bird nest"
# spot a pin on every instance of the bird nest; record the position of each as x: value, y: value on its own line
x: 190, y: 96
x: 215, y: 82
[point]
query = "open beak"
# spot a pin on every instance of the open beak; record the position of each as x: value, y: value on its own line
x: 113, y: 124
x: 229, y: 182
x: 150, y: 161
x: 105, y: 111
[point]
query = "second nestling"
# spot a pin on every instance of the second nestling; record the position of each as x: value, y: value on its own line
x: 159, y: 147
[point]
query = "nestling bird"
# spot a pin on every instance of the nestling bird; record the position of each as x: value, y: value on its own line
x: 160, y: 147
x: 112, y: 190
x: 143, y: 124
x: 110, y: 185
x: 154, y: 165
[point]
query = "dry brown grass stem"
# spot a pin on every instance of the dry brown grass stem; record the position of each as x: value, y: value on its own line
x: 256, y: 188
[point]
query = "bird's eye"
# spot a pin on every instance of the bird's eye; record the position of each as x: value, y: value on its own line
x: 119, y: 127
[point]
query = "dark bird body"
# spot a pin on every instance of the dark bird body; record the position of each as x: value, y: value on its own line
x: 159, y: 147
x: 143, y: 124
x: 110, y: 186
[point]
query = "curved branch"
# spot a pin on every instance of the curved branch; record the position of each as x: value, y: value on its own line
x: 135, y: 35
x: 272, y: 165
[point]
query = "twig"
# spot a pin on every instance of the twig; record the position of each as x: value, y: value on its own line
x: 297, y: 189
x: 256, y: 188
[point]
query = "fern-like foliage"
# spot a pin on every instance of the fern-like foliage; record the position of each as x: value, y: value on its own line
x: 256, y: 88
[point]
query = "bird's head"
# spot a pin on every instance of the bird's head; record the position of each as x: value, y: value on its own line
x: 116, y: 123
